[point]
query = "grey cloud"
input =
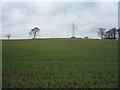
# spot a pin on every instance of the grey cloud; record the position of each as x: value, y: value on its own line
x: 55, y: 19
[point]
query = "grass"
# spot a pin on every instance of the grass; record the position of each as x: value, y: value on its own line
x: 60, y: 63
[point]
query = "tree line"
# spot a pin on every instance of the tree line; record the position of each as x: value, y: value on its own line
x: 112, y: 33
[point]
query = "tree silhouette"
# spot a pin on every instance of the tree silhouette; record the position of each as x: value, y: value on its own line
x: 118, y: 30
x: 114, y: 32
x: 34, y: 31
x: 108, y: 35
x: 8, y: 36
x: 101, y: 32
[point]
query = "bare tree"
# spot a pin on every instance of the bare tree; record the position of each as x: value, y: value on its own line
x: 34, y: 31
x: 8, y: 36
x: 101, y: 32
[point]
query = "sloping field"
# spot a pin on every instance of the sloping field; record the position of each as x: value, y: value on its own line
x: 73, y: 63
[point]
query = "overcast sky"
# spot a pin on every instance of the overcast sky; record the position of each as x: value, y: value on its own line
x: 55, y: 18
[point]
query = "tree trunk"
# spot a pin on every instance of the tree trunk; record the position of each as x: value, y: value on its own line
x: 34, y: 36
x: 101, y: 37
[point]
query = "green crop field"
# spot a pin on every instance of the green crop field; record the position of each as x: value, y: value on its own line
x: 60, y: 63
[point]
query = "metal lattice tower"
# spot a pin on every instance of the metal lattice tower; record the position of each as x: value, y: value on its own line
x: 73, y: 30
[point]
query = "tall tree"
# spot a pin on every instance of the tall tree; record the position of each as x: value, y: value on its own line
x: 35, y: 31
x: 111, y: 34
x: 107, y: 35
x: 114, y: 32
x: 8, y: 36
x: 118, y: 30
x: 101, y: 32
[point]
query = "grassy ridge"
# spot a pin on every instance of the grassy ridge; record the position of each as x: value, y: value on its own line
x: 60, y: 63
